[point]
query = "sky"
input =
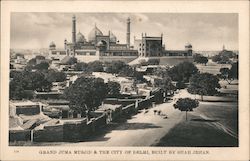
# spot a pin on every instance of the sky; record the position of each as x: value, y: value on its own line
x: 205, y: 31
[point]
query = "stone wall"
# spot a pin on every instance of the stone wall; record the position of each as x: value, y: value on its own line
x: 19, y: 135
x: 75, y: 131
x: 49, y: 134
x: 174, y: 60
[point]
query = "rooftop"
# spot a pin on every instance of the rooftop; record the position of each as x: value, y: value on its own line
x: 108, y: 107
x: 23, y: 103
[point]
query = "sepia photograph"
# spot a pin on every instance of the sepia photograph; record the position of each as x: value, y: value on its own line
x: 114, y: 81
x: 124, y: 79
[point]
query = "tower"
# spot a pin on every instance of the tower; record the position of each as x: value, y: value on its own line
x: 223, y: 47
x: 128, y: 33
x: 189, y: 49
x: 65, y: 44
x: 74, y: 29
x: 74, y: 33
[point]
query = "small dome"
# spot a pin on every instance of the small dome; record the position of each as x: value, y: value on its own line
x: 80, y: 38
x: 188, y: 45
x: 112, y: 37
x: 52, y: 44
x: 93, y: 33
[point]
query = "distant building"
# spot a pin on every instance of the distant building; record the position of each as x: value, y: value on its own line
x: 126, y: 83
x: 107, y: 48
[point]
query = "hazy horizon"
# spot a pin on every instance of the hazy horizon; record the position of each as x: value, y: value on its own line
x: 205, y: 31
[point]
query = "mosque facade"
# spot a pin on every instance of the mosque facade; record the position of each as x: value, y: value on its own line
x: 106, y: 48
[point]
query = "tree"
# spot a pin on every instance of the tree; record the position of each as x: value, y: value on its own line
x: 16, y: 90
x: 32, y: 62
x: 81, y: 66
x: 37, y: 81
x: 55, y: 76
x: 42, y: 66
x: 72, y: 61
x: 95, y: 66
x: 153, y: 61
x: 182, y: 72
x: 165, y: 84
x: 226, y: 75
x: 216, y: 58
x: 40, y: 57
x: 113, y: 89
x: 224, y: 60
x: 234, y: 70
x: 161, y: 72
x: 198, y: 58
x: 227, y: 53
x: 203, y: 84
x: 115, y: 67
x: 224, y: 57
x: 127, y: 71
x: 150, y: 62
x: 186, y: 104
x: 25, y: 81
x: 229, y: 74
x: 86, y: 94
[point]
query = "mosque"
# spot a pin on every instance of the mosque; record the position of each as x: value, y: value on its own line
x: 106, y: 48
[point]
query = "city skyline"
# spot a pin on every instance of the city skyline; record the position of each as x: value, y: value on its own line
x: 205, y: 31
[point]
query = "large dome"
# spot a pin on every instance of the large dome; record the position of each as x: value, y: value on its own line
x: 112, y: 37
x: 92, y: 35
x: 80, y: 38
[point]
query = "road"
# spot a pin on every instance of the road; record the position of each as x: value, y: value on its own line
x: 143, y: 129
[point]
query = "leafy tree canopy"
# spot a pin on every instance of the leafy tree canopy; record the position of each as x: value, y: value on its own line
x: 42, y: 66
x: 182, y: 72
x: 198, y: 58
x: 72, y: 61
x: 26, y: 80
x: 95, y: 66
x: 235, y: 70
x: 122, y: 69
x: 186, y: 104
x: 204, y: 84
x: 150, y: 62
x: 165, y: 84
x: 55, y: 76
x: 86, y: 94
x: 113, y: 89
x: 115, y: 67
x: 40, y: 57
x: 81, y: 66
x: 224, y: 57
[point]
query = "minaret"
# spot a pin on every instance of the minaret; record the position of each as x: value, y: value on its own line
x: 74, y: 33
x: 128, y: 33
x: 223, y: 47
x: 74, y: 29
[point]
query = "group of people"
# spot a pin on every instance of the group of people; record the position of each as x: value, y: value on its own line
x: 157, y: 112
